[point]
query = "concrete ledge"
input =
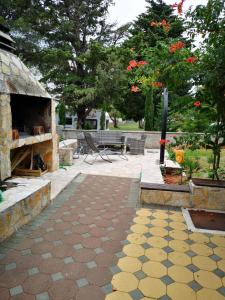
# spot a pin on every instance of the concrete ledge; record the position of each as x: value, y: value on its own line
x: 22, y: 203
x: 165, y: 187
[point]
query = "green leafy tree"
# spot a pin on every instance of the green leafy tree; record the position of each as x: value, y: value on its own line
x: 64, y: 40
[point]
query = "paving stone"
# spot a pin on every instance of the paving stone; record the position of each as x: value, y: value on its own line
x: 195, y: 285
x: 16, y: 290
x: 215, y: 257
x: 91, y: 264
x: 58, y: 243
x: 86, y: 235
x: 82, y: 282
x: 43, y: 296
x: 10, y: 266
x: 107, y: 289
x: 38, y: 240
x: 167, y: 263
x: 115, y: 269
x: 221, y: 291
x: 46, y: 255
x: 25, y: 252
x: 136, y: 294
x: 140, y: 275
x: 167, y: 279
x: 191, y: 253
x: 219, y: 273
x: 33, y: 271
x: 98, y: 250
x: 192, y: 268
x: 68, y: 260
x: 105, y: 238
x: 77, y: 246
x: 57, y: 276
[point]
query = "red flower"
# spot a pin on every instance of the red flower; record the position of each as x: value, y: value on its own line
x: 174, y: 47
x: 134, y: 89
x: 133, y: 63
x: 163, y: 142
x: 153, y: 24
x: 157, y: 84
x: 142, y: 63
x: 191, y: 59
x: 197, y: 103
x: 129, y: 68
x: 179, y: 6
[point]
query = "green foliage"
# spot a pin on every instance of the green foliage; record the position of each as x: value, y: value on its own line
x: 188, y: 141
x: 190, y: 165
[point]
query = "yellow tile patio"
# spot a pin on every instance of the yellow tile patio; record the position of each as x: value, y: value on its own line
x: 165, y: 260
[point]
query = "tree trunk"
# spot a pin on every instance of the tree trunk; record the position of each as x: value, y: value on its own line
x: 81, y: 116
x: 115, y: 123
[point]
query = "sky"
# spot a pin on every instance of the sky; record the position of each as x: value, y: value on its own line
x: 127, y: 10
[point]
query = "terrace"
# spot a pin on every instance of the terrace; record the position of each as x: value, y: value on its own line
x: 97, y: 225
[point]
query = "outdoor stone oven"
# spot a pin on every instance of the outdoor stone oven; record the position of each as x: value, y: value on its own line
x: 27, y: 113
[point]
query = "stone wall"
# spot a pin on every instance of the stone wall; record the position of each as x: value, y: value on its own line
x: 207, y: 197
x: 5, y: 136
x: 172, y: 198
x: 201, y: 197
x: 14, y: 215
x: 152, y: 141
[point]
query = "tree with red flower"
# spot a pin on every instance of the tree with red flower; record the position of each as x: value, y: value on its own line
x: 191, y: 59
x: 197, y: 103
x: 134, y: 89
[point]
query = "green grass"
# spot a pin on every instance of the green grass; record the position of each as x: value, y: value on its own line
x: 126, y: 127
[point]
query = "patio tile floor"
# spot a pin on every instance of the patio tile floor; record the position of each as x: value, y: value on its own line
x: 94, y: 243
x: 182, y: 267
x: 68, y: 251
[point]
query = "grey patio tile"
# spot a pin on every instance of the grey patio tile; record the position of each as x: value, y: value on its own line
x: 38, y: 240
x: 92, y: 225
x: 110, y: 228
x: 68, y: 260
x: 43, y: 296
x: 107, y: 289
x: 120, y: 254
x: 105, y: 238
x: 167, y: 279
x: 82, y: 282
x: 140, y: 275
x: 219, y: 273
x: 136, y: 294
x: 193, y: 268
x: 167, y: 263
x: 168, y: 249
x: 195, y: 285
x: 58, y: 243
x: 190, y: 253
x: 49, y: 229
x: 215, y: 257
x: 91, y: 264
x: 67, y: 232
x: 10, y: 266
x: 46, y: 255
x: 16, y: 290
x: 58, y: 220
x: 115, y: 269
x: 165, y: 297
x: 33, y: 271
x: 57, y: 276
x: 26, y: 252
x: 143, y: 258
x: 221, y: 291
x: 86, y: 235
x: 77, y: 246
x: 98, y: 250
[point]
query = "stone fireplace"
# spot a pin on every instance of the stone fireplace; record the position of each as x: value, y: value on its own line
x: 27, y: 110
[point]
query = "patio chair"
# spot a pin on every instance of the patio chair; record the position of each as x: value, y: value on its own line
x: 137, y: 146
x: 94, y: 150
